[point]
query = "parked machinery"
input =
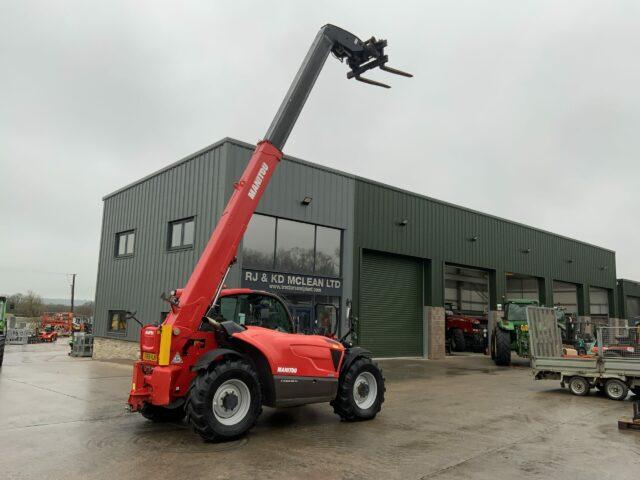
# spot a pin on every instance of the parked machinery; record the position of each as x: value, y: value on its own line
x: 511, y: 333
x: 464, y: 332
x: 3, y: 326
x: 220, y: 355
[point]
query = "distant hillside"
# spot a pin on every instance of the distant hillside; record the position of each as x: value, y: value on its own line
x: 64, y: 301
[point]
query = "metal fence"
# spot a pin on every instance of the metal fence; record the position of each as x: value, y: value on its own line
x: 619, y: 342
x: 82, y: 345
x: 17, y: 336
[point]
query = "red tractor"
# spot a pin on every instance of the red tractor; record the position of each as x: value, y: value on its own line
x: 220, y: 355
x: 48, y: 334
x: 464, y: 332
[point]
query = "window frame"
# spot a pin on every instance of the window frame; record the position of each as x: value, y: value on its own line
x: 315, y: 226
x: 125, y: 234
x: 182, y: 222
x: 121, y: 332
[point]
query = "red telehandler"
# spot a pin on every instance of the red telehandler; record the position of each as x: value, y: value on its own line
x: 221, y: 354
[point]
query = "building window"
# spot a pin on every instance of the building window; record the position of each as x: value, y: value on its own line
x: 124, y: 243
x: 295, y: 246
x: 288, y: 246
x: 117, y: 321
x: 327, y: 261
x: 181, y: 233
x: 260, y: 243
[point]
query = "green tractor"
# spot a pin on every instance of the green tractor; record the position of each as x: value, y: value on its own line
x: 3, y: 326
x: 512, y: 332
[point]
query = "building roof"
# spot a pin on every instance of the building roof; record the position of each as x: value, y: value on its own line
x: 249, y: 146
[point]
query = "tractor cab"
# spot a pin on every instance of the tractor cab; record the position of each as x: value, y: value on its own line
x: 248, y: 307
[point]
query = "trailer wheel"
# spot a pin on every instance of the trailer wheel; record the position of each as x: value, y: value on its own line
x: 579, y: 386
x: 224, y: 402
x: 161, y: 414
x: 360, y: 391
x: 458, y: 342
x: 503, y: 348
x: 616, y: 389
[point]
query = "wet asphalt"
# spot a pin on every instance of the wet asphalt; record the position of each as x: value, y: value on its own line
x: 460, y: 418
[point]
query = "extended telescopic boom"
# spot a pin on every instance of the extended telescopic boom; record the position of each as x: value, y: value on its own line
x: 190, y: 304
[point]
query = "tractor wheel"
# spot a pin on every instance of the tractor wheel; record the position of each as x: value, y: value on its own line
x: 493, y: 346
x: 161, y: 414
x: 502, y: 348
x: 616, y: 389
x: 224, y: 402
x: 579, y: 386
x: 458, y: 342
x: 360, y: 392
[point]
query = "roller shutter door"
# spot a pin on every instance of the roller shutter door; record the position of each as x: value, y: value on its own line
x: 391, y: 305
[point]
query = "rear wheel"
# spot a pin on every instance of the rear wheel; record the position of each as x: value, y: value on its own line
x: 579, y: 386
x: 458, y: 342
x: 225, y: 402
x: 503, y: 348
x: 161, y: 414
x: 616, y: 389
x: 360, y: 391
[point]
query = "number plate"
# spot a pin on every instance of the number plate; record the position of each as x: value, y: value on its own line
x: 151, y: 357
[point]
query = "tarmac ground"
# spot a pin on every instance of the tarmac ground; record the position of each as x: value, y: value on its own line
x: 459, y: 418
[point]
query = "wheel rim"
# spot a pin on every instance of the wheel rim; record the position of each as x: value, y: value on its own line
x: 615, y: 390
x: 365, y: 390
x: 578, y: 387
x: 231, y: 402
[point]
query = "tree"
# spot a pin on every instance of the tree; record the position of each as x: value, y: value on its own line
x: 29, y: 305
x: 86, y: 309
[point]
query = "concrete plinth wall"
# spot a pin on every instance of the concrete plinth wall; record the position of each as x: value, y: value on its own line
x: 435, y: 319
x: 114, y: 349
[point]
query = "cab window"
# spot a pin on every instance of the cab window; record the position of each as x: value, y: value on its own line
x: 255, y: 309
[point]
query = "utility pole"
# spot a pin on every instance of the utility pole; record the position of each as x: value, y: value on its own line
x: 73, y: 287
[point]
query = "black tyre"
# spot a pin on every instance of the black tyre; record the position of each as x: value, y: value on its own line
x: 582, y: 351
x: 616, y: 389
x: 1, y: 352
x: 503, y: 348
x: 161, y: 414
x: 478, y: 343
x: 458, y: 342
x: 579, y: 386
x: 225, y: 402
x: 360, y: 392
x: 493, y: 346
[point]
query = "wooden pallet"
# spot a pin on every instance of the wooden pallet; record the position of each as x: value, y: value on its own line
x: 628, y: 424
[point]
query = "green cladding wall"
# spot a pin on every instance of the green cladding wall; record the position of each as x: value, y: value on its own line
x: 441, y: 233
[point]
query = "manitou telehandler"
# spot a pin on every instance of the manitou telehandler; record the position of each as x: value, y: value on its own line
x: 220, y: 354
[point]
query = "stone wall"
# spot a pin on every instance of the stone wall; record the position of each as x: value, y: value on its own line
x: 114, y: 349
x: 435, y: 332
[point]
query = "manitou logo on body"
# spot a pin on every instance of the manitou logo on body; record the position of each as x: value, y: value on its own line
x: 287, y: 370
x: 253, y: 191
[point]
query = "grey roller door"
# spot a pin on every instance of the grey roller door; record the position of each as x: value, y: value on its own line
x: 391, y: 305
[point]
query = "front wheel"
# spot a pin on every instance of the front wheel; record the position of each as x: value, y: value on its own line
x: 360, y: 391
x: 503, y: 348
x: 579, y: 386
x: 458, y: 342
x: 225, y: 402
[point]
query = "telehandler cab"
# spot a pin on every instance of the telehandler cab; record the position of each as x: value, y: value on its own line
x: 220, y: 355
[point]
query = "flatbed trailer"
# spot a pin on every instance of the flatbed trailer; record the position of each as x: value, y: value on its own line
x: 608, y: 370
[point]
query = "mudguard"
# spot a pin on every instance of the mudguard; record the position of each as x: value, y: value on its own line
x: 351, y: 355
x: 208, y: 358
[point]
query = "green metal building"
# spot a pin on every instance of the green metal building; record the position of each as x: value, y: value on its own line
x: 321, y: 237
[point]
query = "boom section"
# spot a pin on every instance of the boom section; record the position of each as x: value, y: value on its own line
x: 190, y: 304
